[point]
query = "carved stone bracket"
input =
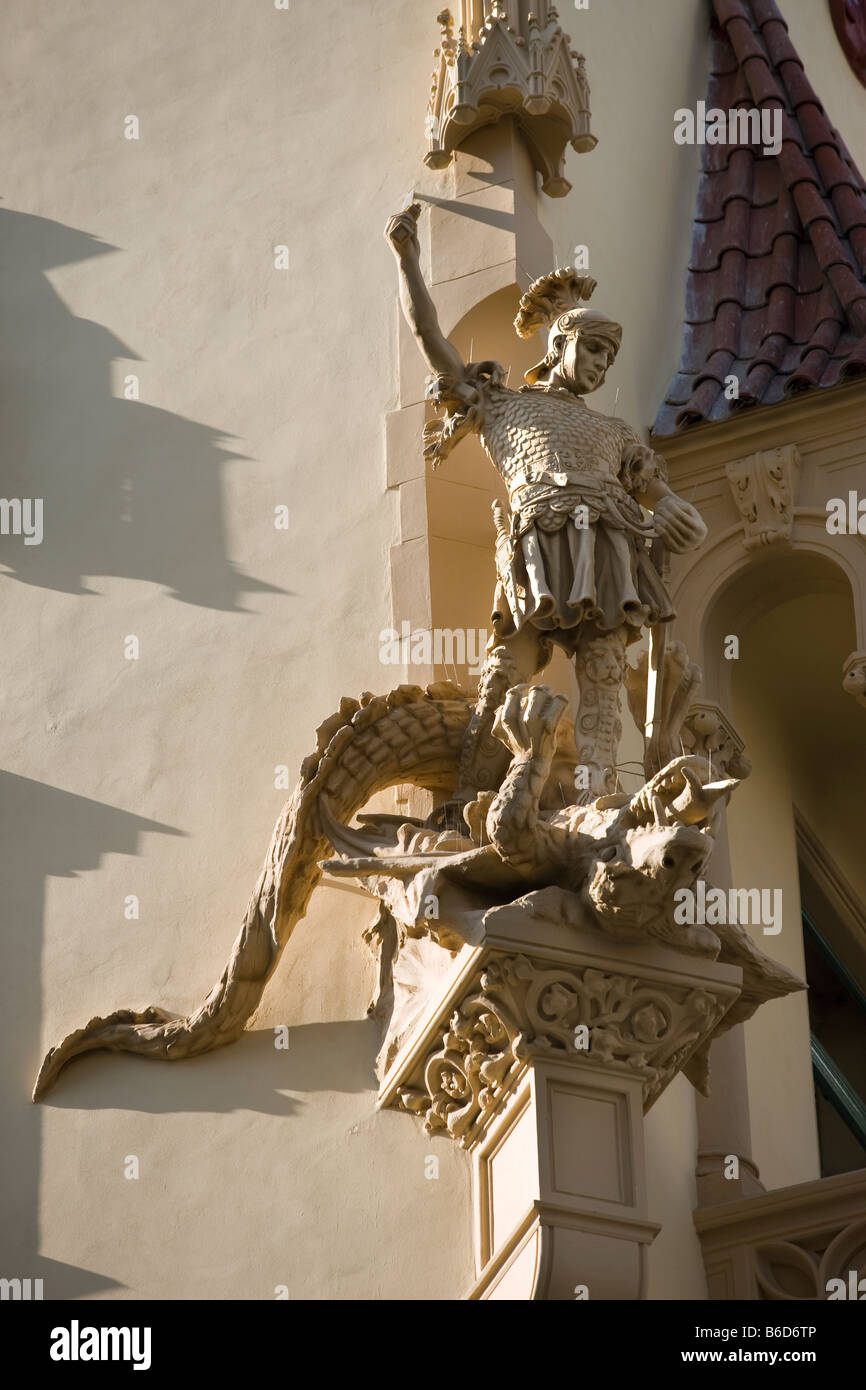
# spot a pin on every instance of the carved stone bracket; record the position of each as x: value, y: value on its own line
x: 538, y: 1053
x: 764, y: 487
x: 854, y: 677
x: 520, y: 1008
x: 507, y: 60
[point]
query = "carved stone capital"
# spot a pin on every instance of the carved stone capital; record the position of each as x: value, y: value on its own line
x: 854, y: 677
x: 538, y: 1052
x: 517, y: 1008
x: 764, y: 487
x: 509, y: 58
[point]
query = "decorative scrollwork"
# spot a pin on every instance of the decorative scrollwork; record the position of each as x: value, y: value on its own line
x: 518, y: 1008
x: 786, y: 1270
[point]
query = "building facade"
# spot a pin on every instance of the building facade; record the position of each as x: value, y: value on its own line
x: 210, y: 391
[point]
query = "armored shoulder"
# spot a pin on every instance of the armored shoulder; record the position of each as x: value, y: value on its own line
x: 463, y: 404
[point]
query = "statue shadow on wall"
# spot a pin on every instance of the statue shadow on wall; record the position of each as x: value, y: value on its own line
x: 129, y: 490
x: 45, y: 832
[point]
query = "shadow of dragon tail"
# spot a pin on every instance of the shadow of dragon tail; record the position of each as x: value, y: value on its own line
x: 411, y: 735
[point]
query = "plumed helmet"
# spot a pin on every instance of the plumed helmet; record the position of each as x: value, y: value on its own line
x: 558, y: 299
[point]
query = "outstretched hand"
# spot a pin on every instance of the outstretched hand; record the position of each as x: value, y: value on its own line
x: 402, y: 231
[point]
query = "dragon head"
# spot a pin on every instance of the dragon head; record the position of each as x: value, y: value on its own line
x: 658, y: 842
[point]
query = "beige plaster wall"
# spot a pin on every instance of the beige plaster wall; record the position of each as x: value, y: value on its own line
x: 156, y: 778
x: 764, y: 855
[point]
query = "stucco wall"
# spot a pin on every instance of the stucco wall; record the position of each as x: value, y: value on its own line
x: 155, y: 777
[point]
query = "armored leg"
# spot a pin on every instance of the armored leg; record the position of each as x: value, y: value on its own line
x: 600, y: 665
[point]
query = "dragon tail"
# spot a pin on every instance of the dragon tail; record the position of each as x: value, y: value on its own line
x: 411, y: 735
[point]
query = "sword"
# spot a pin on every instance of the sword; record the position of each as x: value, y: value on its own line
x: 658, y: 636
x: 505, y: 552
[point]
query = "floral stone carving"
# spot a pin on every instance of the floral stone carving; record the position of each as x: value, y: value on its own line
x: 806, y: 1242
x: 763, y: 486
x: 538, y: 1052
x: 519, y: 1007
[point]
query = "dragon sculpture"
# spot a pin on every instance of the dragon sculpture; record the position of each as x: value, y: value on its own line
x: 574, y: 570
x: 616, y: 862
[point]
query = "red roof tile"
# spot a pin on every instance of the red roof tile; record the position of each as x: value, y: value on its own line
x: 776, y: 290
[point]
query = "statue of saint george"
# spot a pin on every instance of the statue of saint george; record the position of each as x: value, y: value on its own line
x: 573, y: 560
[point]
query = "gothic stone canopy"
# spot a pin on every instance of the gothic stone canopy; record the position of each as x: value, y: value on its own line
x: 509, y: 58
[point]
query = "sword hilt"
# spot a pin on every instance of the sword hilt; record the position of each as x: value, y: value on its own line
x: 503, y: 530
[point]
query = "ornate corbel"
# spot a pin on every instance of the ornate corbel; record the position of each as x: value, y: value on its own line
x: 763, y: 486
x: 538, y: 1053
x: 509, y: 60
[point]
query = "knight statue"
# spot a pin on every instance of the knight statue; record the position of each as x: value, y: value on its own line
x: 574, y: 568
x: 572, y: 556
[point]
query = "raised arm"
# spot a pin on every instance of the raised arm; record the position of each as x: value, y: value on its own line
x: 419, y: 309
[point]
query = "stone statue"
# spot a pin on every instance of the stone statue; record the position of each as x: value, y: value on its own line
x: 573, y: 569
x: 572, y: 560
x: 616, y: 863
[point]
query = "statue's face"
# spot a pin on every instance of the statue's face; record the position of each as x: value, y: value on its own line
x: 584, y: 363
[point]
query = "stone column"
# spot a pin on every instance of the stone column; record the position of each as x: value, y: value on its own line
x: 724, y: 1127
x: 538, y: 1051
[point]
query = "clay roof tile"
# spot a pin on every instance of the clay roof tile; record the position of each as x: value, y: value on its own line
x: 776, y: 289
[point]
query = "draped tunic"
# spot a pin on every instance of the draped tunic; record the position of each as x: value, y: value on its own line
x: 575, y: 550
